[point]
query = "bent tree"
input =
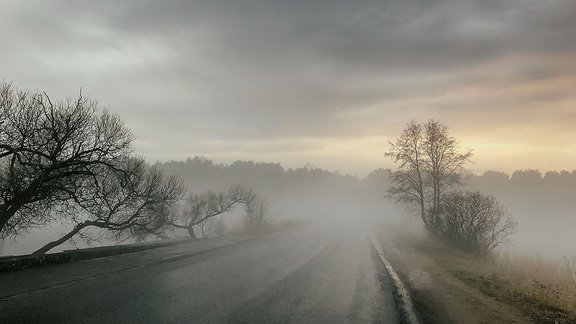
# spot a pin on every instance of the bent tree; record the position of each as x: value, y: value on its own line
x: 199, y: 208
x: 49, y: 151
x: 132, y: 200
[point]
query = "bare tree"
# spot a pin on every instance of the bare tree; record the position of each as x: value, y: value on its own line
x: 213, y: 226
x: 133, y: 199
x: 473, y: 222
x: 444, y: 164
x: 198, y: 208
x: 408, y: 179
x: 48, y: 152
x: 428, y: 165
x: 256, y: 212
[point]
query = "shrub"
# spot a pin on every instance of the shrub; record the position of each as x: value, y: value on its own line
x: 472, y: 222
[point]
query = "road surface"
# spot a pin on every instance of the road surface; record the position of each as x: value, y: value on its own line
x: 305, y: 275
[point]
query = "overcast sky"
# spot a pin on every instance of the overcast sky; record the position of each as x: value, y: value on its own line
x: 326, y: 82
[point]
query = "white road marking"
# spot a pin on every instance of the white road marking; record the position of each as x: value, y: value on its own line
x: 406, y: 302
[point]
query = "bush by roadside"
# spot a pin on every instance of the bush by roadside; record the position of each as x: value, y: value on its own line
x: 472, y: 222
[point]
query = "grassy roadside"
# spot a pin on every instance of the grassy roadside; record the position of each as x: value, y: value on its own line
x: 539, y: 288
x: 448, y: 286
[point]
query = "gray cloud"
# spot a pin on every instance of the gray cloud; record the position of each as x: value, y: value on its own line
x: 252, y: 69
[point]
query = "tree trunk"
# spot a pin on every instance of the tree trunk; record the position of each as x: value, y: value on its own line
x: 422, y: 205
x: 5, y: 215
x: 3, y: 221
x: 61, y: 240
x: 191, y: 233
x: 423, y: 212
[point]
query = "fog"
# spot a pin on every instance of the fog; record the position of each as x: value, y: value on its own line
x: 543, y: 205
x: 330, y: 83
x: 306, y: 194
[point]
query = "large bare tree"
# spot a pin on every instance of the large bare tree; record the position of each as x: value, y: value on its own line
x: 49, y: 151
x: 429, y: 163
x: 444, y: 163
x: 132, y: 199
x: 409, y: 178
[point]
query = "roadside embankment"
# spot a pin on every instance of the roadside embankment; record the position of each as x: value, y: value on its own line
x: 15, y: 263
x: 448, y: 286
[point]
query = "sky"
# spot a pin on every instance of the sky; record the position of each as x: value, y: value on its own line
x: 324, y: 82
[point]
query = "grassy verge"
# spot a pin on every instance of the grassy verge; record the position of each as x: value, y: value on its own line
x: 464, y: 288
x: 539, y: 288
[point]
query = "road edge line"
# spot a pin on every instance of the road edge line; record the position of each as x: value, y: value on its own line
x: 406, y: 306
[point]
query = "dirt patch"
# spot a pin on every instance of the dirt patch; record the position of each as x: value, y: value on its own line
x: 447, y: 286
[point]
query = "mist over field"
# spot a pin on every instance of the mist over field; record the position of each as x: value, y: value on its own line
x: 542, y: 204
x: 329, y: 84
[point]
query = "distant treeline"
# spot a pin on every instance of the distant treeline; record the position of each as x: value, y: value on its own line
x: 306, y: 192
x: 560, y: 179
x: 542, y: 203
x: 527, y: 193
x: 202, y: 173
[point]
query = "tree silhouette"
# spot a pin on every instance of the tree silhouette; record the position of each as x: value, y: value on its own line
x: 135, y: 200
x: 199, y: 208
x: 49, y: 151
x: 428, y: 165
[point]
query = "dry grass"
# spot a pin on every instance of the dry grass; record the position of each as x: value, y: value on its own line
x: 570, y: 268
x: 542, y: 289
x: 447, y: 285
x: 550, y: 283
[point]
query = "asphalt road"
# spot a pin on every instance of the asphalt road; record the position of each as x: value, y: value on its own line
x: 306, y: 275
